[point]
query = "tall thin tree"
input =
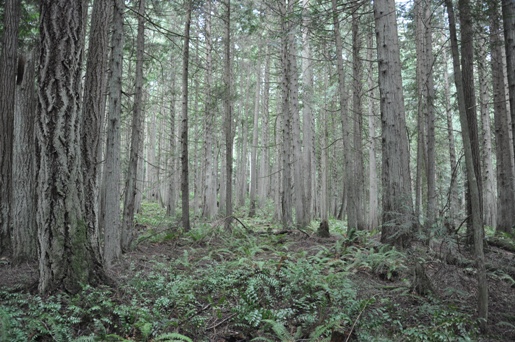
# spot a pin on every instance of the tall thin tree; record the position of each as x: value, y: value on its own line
x: 137, y: 123
x: 110, y: 213
x: 185, y: 192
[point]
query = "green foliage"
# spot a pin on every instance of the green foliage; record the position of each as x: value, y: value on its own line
x: 263, y: 286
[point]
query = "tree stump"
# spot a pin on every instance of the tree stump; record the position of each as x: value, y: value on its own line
x: 323, y: 229
x: 421, y: 283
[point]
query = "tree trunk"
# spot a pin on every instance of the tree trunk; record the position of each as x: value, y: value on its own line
x: 265, y: 165
x: 475, y: 199
x: 93, y: 113
x: 111, y: 214
x: 308, y: 131
x: 489, y: 190
x: 7, y: 103
x: 23, y: 210
x: 209, y: 206
x: 508, y: 15
x: 422, y: 162
x: 172, y: 159
x: 373, y: 198
x: 286, y: 158
x: 254, y: 159
x: 228, y: 118
x: 301, y: 209
x: 467, y: 64
x: 349, y: 194
x: 505, y: 176
x: 324, y: 163
x: 137, y: 124
x: 397, y: 202
x: 185, y: 192
x: 453, y: 197
x: 357, y: 93
x: 431, y: 214
x: 62, y: 230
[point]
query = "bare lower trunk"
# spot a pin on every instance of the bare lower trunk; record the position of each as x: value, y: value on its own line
x: 23, y: 210
x: 111, y: 191
x: 185, y: 192
x: 7, y: 100
x: 475, y: 200
x: 137, y: 122
x: 66, y: 258
x: 254, y: 159
x: 505, y: 181
x: 93, y: 115
x: 397, y: 202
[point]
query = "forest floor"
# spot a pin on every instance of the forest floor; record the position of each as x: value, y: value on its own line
x: 259, y: 283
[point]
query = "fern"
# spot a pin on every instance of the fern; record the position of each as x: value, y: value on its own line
x: 173, y: 337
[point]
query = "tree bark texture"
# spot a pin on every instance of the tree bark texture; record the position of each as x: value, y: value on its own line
x: 209, y: 203
x: 308, y: 129
x: 505, y: 176
x: 475, y: 200
x: 185, y: 189
x: 131, y: 188
x: 489, y: 189
x: 397, y: 202
x: 467, y: 64
x: 66, y: 258
x: 508, y: 16
x: 228, y: 118
x: 7, y: 99
x: 254, y: 152
x: 93, y: 116
x: 23, y: 210
x: 110, y: 219
x: 357, y: 119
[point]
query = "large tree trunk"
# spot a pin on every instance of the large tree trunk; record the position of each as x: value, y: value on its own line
x: 397, y: 202
x: 505, y: 176
x: 23, y: 210
x: 7, y: 100
x: 111, y: 192
x: 66, y: 259
x: 475, y: 200
x: 93, y: 113
x: 185, y: 189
